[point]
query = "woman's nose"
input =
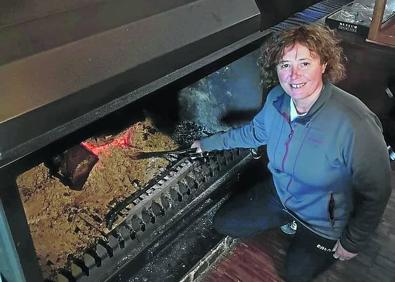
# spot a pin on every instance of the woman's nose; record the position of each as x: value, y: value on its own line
x: 295, y: 72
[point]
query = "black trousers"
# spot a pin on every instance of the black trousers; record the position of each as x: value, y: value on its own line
x: 258, y: 209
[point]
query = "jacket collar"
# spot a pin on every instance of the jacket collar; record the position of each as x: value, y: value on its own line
x: 281, y: 103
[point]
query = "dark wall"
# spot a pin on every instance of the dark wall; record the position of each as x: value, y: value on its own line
x: 370, y: 70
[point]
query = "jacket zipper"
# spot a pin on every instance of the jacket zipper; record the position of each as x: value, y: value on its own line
x: 286, y: 149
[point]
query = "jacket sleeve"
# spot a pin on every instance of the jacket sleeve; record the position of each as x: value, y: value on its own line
x: 250, y: 135
x: 371, y: 177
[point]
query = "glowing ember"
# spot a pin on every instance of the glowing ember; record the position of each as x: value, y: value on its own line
x: 123, y: 141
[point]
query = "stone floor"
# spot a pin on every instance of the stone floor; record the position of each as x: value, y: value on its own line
x: 261, y: 258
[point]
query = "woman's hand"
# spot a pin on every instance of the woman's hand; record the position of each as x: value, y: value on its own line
x: 198, y: 147
x: 341, y: 253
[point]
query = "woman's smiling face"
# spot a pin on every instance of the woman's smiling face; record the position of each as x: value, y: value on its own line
x: 300, y: 73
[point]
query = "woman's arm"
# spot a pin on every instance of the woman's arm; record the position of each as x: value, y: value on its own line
x: 251, y: 135
x: 371, y: 176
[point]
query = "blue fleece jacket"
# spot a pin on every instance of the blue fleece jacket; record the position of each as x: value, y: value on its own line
x: 330, y: 167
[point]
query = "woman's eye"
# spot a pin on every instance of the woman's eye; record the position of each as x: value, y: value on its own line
x: 305, y: 64
x: 284, y: 66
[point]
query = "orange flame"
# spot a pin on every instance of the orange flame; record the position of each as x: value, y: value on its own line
x: 122, y: 141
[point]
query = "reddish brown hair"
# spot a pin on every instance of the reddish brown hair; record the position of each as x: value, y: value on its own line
x: 317, y: 38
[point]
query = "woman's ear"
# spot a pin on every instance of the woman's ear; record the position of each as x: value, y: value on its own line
x: 324, y: 68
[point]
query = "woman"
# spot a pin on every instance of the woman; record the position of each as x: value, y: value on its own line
x: 327, y: 156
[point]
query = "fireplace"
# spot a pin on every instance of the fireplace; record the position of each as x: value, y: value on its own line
x: 155, y: 77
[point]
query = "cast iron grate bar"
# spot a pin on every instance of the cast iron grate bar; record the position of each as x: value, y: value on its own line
x: 148, y: 219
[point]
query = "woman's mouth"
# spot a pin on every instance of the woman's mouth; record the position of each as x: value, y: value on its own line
x: 297, y: 85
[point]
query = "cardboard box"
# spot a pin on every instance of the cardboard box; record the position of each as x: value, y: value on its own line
x: 360, y: 27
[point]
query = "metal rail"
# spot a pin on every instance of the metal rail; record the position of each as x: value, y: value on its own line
x: 155, y: 213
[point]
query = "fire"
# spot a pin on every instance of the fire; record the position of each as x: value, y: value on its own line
x: 123, y: 141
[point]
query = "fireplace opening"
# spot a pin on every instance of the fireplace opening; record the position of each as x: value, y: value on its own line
x: 95, y: 193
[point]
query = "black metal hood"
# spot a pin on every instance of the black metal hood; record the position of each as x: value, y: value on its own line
x: 64, y: 65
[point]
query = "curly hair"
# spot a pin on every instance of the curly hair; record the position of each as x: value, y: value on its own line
x: 317, y: 38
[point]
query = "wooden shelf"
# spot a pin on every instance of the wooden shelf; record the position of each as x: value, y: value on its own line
x: 382, y: 34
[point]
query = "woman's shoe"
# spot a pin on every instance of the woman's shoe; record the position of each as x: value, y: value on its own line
x: 289, y: 228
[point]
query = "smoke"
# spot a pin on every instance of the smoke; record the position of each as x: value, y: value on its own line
x: 234, y: 88
x: 201, y: 105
